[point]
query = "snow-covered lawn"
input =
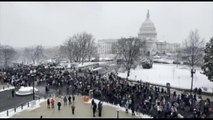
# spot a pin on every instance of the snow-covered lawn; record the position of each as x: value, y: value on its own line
x: 140, y: 115
x: 90, y: 63
x: 177, y: 75
x: 80, y: 65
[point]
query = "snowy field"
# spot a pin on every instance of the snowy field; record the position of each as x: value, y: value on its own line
x: 177, y: 75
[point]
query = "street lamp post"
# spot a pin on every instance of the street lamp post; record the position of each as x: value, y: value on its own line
x: 33, y: 89
x: 32, y: 75
x: 192, y: 75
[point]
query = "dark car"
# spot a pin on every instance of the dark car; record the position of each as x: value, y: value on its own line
x: 176, y: 62
x: 119, y: 61
x: 186, y: 63
x: 147, y: 63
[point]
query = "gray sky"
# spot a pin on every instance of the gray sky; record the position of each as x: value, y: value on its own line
x: 25, y: 24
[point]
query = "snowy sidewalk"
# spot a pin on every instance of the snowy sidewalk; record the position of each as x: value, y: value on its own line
x: 82, y: 110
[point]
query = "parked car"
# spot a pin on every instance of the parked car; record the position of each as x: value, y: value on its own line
x: 147, y: 63
x: 176, y: 62
x: 186, y: 63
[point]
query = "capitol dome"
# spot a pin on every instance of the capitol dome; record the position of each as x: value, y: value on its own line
x: 148, y: 35
x: 147, y: 29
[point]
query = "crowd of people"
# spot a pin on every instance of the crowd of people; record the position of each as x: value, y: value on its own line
x: 137, y: 97
x: 71, y: 100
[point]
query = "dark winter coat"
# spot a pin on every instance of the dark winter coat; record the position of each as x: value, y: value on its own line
x: 94, y: 107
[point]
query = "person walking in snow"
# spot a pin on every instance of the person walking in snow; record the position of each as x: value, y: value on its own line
x: 59, y: 105
x: 94, y: 109
x: 73, y: 98
x: 99, y: 108
x: 69, y: 99
x: 73, y: 108
x: 65, y: 100
x: 127, y: 106
x: 92, y: 103
x: 48, y: 103
x: 52, y: 101
x: 13, y: 93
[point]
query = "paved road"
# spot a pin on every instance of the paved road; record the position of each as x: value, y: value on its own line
x: 7, y: 101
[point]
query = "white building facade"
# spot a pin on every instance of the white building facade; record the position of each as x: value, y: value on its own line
x: 148, y: 35
x: 105, y: 47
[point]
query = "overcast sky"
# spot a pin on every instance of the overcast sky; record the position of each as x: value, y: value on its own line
x: 51, y: 23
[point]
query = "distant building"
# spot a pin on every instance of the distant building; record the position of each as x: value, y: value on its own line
x: 165, y: 47
x: 105, y: 46
x: 148, y: 35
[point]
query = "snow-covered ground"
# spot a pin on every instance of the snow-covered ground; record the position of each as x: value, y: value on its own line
x: 32, y: 105
x: 161, y: 60
x: 86, y: 64
x: 7, y: 88
x: 140, y: 115
x: 177, y: 75
x: 26, y: 90
x: 79, y: 65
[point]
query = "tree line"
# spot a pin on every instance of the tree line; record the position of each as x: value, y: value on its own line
x: 78, y: 48
x: 81, y: 47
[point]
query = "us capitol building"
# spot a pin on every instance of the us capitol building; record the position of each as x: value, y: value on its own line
x: 148, y: 35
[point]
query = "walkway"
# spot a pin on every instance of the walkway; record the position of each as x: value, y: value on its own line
x: 83, y: 110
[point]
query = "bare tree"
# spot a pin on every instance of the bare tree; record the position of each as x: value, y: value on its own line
x: 79, y: 47
x: 62, y: 53
x: 92, y: 51
x: 144, y: 46
x: 70, y: 50
x: 178, y: 55
x: 53, y: 53
x: 85, y: 43
x: 114, y: 49
x: 128, y: 49
x: 28, y: 53
x: 7, y: 53
x: 39, y: 53
x: 34, y: 53
x: 193, y: 50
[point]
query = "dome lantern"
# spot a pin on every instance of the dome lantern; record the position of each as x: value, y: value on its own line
x: 147, y: 16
